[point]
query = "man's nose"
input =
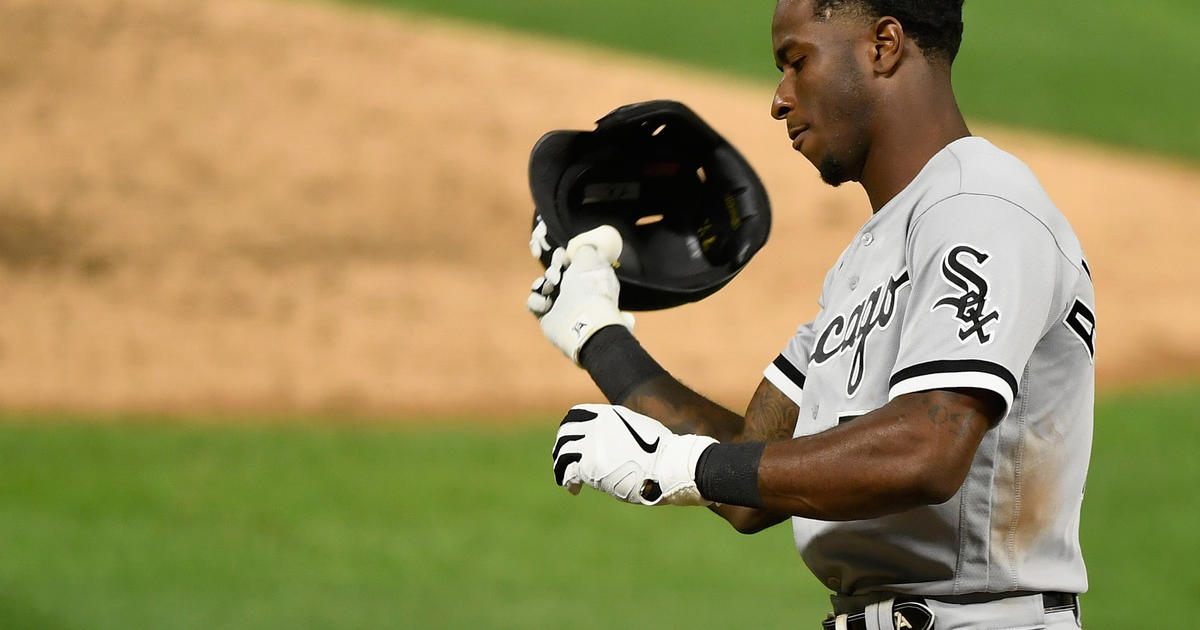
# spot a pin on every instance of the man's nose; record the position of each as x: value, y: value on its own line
x: 780, y: 106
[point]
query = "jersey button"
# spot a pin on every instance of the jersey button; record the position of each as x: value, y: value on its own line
x: 853, y: 282
x: 867, y: 239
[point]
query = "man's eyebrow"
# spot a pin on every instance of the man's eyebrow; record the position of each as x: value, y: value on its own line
x: 781, y: 52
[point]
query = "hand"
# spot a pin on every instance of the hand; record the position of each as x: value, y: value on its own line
x: 622, y: 453
x: 587, y: 291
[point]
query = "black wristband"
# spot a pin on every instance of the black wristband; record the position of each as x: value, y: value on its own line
x: 728, y: 473
x: 617, y: 362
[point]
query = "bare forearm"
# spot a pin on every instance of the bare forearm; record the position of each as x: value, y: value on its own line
x: 839, y: 475
x: 683, y: 410
x: 771, y: 417
x: 629, y: 376
x: 911, y: 452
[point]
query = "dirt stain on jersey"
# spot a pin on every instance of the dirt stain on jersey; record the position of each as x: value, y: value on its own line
x: 1033, y: 496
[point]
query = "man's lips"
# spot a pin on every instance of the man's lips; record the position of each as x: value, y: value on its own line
x: 796, y: 134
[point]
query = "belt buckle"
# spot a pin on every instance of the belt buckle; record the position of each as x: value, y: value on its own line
x: 912, y: 615
x: 906, y: 614
x: 1059, y: 602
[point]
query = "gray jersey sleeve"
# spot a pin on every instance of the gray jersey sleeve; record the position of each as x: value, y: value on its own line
x: 984, y: 289
x: 788, y: 371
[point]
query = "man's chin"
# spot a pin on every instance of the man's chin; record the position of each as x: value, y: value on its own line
x: 832, y: 181
x: 832, y: 171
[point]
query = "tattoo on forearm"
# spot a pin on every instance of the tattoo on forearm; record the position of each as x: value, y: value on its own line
x: 954, y: 422
x: 771, y: 416
x: 683, y: 410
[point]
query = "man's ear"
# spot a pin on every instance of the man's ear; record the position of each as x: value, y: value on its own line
x: 887, y: 46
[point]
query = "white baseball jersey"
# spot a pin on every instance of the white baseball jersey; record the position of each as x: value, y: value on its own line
x: 970, y: 277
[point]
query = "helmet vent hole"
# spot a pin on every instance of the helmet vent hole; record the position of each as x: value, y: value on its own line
x: 701, y: 175
x: 649, y: 219
x: 658, y: 130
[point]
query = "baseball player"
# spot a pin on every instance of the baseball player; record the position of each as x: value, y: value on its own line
x: 928, y: 433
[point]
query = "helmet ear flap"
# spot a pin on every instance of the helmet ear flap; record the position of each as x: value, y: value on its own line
x: 690, y: 209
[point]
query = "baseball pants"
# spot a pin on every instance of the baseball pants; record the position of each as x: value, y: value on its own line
x: 1028, y: 612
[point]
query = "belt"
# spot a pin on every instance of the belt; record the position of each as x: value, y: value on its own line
x: 917, y: 614
x: 1058, y: 602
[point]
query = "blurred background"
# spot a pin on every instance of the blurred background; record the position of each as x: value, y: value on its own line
x: 264, y: 358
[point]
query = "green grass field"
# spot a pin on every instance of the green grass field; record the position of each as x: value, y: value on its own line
x: 146, y: 524
x: 1121, y: 72
x: 167, y: 525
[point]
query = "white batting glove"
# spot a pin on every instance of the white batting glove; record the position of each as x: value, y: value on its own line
x: 541, y: 294
x: 587, y: 289
x: 624, y: 454
x: 543, y: 289
x: 538, y: 241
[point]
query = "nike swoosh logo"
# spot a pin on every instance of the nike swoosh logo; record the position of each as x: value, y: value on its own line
x: 643, y: 444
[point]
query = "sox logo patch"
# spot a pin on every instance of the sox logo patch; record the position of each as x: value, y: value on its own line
x: 970, y: 302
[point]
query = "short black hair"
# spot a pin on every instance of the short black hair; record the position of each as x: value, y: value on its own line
x: 935, y: 25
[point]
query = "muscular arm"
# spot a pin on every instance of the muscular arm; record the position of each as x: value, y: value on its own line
x: 916, y: 450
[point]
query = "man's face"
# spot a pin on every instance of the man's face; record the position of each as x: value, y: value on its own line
x: 823, y: 92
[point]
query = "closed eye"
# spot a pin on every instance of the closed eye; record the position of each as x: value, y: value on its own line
x: 794, y: 65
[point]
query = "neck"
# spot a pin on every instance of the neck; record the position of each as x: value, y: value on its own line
x: 910, y: 132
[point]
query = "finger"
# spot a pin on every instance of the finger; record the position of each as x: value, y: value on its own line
x: 558, y: 262
x: 563, y: 441
x: 560, y: 465
x: 538, y: 304
x: 606, y: 239
x: 537, y: 240
x: 578, y: 414
x: 588, y: 257
x: 543, y: 287
x: 553, y: 278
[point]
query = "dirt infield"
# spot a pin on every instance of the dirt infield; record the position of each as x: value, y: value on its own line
x: 254, y: 206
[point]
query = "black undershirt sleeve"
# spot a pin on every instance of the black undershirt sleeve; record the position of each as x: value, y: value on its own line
x: 617, y: 362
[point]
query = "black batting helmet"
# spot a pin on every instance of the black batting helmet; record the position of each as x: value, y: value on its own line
x: 690, y: 209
